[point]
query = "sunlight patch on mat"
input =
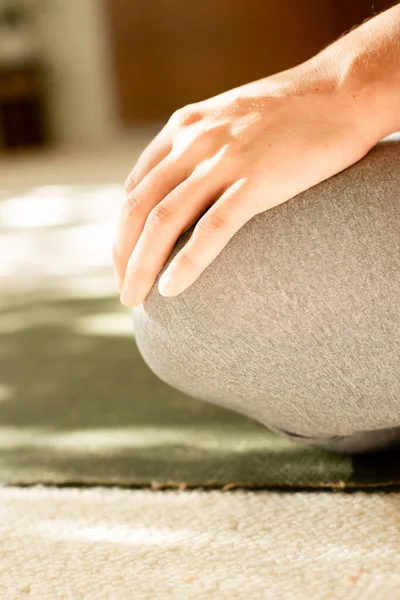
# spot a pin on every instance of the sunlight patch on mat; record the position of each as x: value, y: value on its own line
x: 36, y: 317
x: 114, y: 324
x: 41, y: 207
x: 99, y: 285
x: 98, y: 440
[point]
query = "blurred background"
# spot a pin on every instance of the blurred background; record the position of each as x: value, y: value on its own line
x: 84, y: 85
x: 85, y: 72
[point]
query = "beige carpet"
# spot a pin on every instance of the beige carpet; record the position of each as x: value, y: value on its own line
x: 100, y: 544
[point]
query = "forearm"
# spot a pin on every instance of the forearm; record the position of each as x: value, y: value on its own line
x: 366, y: 62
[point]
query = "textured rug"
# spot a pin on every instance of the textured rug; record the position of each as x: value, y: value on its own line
x: 77, y: 403
x: 124, y: 544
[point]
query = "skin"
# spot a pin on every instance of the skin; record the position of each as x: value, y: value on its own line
x: 220, y: 162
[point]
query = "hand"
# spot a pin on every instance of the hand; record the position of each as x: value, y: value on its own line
x: 222, y: 161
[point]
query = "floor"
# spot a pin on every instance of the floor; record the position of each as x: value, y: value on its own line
x: 119, y: 544
x: 93, y: 544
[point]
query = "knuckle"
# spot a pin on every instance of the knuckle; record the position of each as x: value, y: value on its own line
x: 185, y: 116
x: 130, y: 183
x: 174, y: 118
x: 132, y: 203
x: 160, y: 216
x: 211, y: 224
x: 186, y: 260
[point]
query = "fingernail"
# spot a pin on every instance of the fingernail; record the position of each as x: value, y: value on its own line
x: 128, y: 297
x: 125, y: 300
x: 168, y: 285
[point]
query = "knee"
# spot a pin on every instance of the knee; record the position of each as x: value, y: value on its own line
x: 174, y: 339
x: 174, y: 336
x: 270, y: 360
x: 264, y: 332
x: 200, y: 342
x: 176, y: 343
x: 163, y: 333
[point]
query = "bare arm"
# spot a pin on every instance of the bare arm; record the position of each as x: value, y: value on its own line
x: 367, y: 61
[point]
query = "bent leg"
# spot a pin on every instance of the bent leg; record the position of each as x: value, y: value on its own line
x: 297, y: 322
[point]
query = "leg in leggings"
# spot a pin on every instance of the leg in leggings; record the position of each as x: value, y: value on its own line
x: 297, y: 322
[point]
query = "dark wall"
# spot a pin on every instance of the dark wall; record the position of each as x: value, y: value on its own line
x: 168, y: 53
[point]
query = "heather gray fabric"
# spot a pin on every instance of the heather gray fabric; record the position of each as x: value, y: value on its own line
x: 297, y: 322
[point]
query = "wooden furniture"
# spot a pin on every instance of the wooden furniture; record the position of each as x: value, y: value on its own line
x: 22, y: 106
x: 168, y: 53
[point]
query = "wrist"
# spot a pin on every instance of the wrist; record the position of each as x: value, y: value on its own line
x: 364, y: 104
x: 376, y: 92
x: 365, y: 67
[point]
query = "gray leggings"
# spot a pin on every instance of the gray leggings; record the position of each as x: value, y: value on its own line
x: 297, y: 323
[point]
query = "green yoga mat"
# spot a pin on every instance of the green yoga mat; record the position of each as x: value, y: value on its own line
x: 79, y: 406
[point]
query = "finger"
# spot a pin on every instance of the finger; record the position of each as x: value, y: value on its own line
x: 160, y: 147
x: 169, y: 219
x: 153, y: 188
x: 198, y: 158
x: 152, y: 155
x: 211, y: 234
